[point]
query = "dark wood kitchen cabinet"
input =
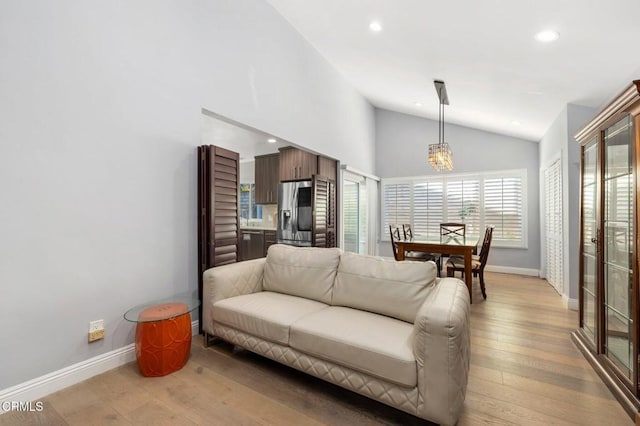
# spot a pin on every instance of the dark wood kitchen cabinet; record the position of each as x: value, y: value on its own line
x: 328, y: 168
x: 251, y: 244
x: 267, y: 178
x: 269, y: 240
x: 254, y: 243
x: 608, y: 333
x: 296, y: 164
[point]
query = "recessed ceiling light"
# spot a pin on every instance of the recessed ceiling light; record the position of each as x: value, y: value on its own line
x: 418, y: 104
x: 271, y: 140
x: 515, y: 122
x: 375, y: 26
x: 547, y: 36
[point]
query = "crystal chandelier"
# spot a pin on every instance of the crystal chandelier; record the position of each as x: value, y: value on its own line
x: 440, y: 156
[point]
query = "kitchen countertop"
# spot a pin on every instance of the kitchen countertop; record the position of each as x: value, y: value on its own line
x: 257, y: 228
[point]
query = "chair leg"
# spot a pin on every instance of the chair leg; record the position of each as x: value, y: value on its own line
x: 484, y: 293
x: 450, y: 272
x: 439, y: 266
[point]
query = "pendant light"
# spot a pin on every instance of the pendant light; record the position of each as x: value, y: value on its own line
x: 440, y: 156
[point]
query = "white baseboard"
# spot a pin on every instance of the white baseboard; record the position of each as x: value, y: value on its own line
x: 68, y: 376
x: 570, y: 303
x: 513, y: 270
x: 53, y: 382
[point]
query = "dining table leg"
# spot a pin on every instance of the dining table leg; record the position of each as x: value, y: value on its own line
x: 467, y: 273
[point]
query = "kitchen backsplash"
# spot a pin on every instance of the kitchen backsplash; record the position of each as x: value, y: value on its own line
x: 269, y: 217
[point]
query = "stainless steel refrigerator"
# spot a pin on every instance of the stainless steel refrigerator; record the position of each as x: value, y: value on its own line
x: 295, y: 213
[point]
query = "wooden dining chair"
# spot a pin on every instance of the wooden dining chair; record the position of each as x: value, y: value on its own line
x: 477, y: 263
x: 451, y: 229
x: 408, y: 235
x: 394, y: 233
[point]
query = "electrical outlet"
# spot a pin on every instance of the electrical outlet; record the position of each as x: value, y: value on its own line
x: 96, y: 330
x: 96, y: 335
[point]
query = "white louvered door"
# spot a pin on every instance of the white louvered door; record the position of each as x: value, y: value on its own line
x: 553, y: 223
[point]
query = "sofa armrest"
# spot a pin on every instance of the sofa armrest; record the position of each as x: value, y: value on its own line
x: 227, y: 281
x: 441, y: 347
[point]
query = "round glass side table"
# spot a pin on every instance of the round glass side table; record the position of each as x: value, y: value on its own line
x: 163, y: 334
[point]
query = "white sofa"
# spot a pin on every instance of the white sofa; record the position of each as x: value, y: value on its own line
x: 388, y: 330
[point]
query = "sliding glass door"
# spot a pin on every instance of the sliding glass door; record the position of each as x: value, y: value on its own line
x: 355, y: 208
x: 359, y: 211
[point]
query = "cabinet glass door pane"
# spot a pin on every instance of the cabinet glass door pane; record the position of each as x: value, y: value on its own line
x: 589, y: 233
x: 618, y: 232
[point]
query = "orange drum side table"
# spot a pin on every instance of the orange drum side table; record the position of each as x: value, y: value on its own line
x: 163, y: 335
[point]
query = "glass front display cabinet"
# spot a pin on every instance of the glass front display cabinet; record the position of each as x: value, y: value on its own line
x: 608, y: 330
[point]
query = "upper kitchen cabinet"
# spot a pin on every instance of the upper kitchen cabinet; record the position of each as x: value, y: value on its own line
x: 296, y: 164
x: 327, y: 168
x: 267, y: 179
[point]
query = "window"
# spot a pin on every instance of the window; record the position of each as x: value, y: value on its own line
x: 479, y: 200
x: 397, y: 202
x: 248, y: 207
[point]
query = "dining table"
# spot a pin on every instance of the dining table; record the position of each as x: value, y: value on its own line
x: 455, y: 245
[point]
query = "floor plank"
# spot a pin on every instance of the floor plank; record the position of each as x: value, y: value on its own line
x: 524, y: 371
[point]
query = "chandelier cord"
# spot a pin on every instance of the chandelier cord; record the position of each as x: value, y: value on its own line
x: 439, y: 117
x: 442, y: 106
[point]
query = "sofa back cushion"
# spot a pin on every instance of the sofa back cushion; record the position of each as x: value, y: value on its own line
x: 383, y: 286
x: 301, y: 271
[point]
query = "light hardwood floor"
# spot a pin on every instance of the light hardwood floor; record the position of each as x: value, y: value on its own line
x: 524, y: 371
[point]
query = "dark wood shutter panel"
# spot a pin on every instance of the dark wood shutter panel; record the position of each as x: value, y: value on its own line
x: 331, y: 215
x: 224, y: 223
x: 324, y: 210
x: 218, y: 221
x: 320, y: 205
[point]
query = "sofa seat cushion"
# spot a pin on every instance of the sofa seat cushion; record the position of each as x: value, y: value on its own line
x: 370, y: 343
x: 264, y: 314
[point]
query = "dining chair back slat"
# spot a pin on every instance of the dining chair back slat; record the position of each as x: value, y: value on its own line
x: 451, y: 229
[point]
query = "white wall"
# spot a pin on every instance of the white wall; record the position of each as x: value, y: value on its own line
x: 401, y: 150
x: 559, y: 141
x: 100, y: 106
x: 247, y: 172
x: 577, y: 117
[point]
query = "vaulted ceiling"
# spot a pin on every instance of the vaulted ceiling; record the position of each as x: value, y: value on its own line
x: 498, y: 76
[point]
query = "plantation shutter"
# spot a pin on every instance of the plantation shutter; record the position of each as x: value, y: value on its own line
x: 397, y: 204
x: 503, y: 208
x: 463, y: 204
x: 496, y: 198
x: 428, y: 208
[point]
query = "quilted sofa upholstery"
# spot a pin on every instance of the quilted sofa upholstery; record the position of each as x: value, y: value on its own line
x: 391, y: 331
